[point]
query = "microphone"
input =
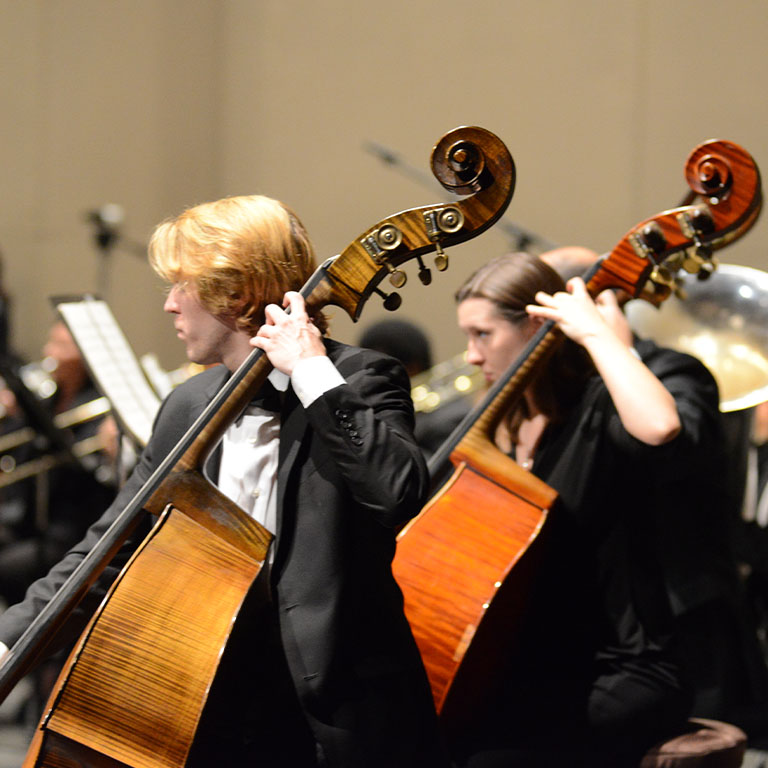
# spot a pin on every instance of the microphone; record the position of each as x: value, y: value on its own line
x: 384, y: 154
x: 107, y: 220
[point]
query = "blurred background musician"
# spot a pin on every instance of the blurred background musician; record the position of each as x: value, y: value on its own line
x: 722, y: 658
x: 38, y: 531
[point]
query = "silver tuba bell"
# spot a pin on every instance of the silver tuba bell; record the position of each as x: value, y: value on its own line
x: 723, y: 321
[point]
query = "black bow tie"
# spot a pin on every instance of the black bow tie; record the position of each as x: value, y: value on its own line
x: 268, y: 398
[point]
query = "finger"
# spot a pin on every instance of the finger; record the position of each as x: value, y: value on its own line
x: 273, y: 313
x: 576, y: 286
x: 536, y: 310
x: 607, y: 299
x: 296, y: 302
x: 545, y: 299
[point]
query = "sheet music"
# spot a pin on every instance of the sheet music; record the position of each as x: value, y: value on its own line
x: 112, y: 364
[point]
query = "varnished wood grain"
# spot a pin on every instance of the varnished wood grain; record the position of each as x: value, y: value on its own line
x: 734, y: 208
x: 140, y: 675
x: 452, y: 567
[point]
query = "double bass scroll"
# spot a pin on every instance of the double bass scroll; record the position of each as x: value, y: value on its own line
x: 467, y: 160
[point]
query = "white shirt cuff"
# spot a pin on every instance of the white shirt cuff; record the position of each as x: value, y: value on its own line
x: 313, y: 377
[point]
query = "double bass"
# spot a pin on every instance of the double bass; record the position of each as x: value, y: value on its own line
x: 134, y: 687
x: 466, y: 562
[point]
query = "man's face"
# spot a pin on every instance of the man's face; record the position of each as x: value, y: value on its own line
x: 209, y: 339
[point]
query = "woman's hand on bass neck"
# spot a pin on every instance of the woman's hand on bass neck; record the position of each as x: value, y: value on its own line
x: 646, y: 408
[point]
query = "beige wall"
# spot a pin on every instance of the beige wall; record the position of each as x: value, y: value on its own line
x: 102, y: 102
x: 157, y: 104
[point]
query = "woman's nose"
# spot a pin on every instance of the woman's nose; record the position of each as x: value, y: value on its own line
x: 473, y: 355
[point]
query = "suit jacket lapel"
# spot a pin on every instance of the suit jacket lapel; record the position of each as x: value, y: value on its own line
x: 292, y: 430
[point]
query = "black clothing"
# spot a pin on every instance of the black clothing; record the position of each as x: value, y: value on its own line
x: 691, y: 485
x: 75, y: 498
x: 700, y: 505
x: 596, y: 677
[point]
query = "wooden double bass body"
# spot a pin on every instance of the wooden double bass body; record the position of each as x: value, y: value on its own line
x: 465, y: 563
x: 134, y: 688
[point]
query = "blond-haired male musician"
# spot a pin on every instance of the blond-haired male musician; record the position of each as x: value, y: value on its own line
x: 329, y: 673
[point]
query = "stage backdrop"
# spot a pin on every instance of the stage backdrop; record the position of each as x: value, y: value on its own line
x: 155, y: 105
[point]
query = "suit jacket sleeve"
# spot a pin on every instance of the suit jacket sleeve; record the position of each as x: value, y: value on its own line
x: 366, y: 426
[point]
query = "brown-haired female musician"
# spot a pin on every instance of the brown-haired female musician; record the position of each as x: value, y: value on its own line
x: 594, y: 676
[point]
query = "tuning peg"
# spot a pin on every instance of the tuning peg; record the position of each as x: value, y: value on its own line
x: 703, y: 224
x: 705, y: 271
x: 378, y: 243
x: 397, y: 277
x: 703, y: 250
x: 450, y: 220
x: 662, y: 275
x: 691, y: 264
x: 440, y: 222
x: 388, y: 237
x: 441, y: 258
x: 702, y: 221
x: 648, y: 242
x: 653, y: 238
x: 425, y: 274
x: 392, y: 301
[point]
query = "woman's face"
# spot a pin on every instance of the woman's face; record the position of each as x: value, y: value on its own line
x: 493, y: 343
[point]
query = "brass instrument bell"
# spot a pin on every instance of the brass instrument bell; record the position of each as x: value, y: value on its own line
x: 723, y: 321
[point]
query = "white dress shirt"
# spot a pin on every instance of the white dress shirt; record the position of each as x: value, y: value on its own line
x: 248, y: 471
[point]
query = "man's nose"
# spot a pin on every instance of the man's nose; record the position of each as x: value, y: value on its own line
x: 171, y: 304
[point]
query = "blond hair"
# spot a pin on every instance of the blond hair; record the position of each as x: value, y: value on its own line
x: 238, y: 253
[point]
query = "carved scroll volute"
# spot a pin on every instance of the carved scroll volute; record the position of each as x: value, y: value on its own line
x: 467, y: 160
x: 727, y: 198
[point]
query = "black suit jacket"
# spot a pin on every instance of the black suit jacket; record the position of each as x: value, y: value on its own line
x: 349, y: 473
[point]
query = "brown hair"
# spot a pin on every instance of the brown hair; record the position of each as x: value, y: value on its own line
x: 510, y: 282
x: 239, y: 254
